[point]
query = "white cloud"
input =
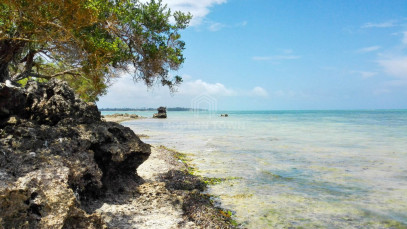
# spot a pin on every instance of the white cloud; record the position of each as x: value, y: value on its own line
x: 365, y: 74
x: 395, y: 66
x: 278, y: 57
x: 287, y: 51
x: 368, y: 49
x: 381, y: 91
x: 198, y: 8
x: 241, y: 24
x: 259, y: 91
x: 216, y: 26
x: 404, y: 41
x: 198, y: 87
x: 396, y: 83
x: 290, y: 94
x: 125, y: 93
x: 386, y: 24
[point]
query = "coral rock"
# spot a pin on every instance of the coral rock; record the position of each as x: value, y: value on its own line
x: 56, y: 156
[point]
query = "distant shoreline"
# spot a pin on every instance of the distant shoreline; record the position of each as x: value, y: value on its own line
x: 151, y: 109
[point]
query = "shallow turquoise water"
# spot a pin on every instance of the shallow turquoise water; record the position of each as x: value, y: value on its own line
x: 327, y: 169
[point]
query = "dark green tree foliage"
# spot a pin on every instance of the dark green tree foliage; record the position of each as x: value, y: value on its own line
x: 89, y: 42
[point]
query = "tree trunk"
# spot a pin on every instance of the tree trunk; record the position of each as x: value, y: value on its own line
x: 4, y: 74
x: 8, y: 50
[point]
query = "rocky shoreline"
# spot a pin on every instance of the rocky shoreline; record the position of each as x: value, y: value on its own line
x: 62, y: 166
x: 168, y: 197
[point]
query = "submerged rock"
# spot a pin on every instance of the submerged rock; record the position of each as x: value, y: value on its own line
x: 162, y: 113
x: 57, y: 155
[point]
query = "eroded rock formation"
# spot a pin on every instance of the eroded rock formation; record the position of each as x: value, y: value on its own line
x: 56, y: 156
x: 162, y: 113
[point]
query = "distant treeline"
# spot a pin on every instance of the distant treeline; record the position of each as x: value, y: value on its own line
x: 151, y: 109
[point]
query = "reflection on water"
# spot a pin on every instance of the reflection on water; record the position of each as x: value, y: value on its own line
x: 336, y: 169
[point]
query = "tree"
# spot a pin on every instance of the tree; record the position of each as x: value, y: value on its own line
x: 89, y: 42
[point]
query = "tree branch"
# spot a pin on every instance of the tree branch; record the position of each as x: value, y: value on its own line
x: 67, y: 72
x: 37, y: 75
x: 18, y: 39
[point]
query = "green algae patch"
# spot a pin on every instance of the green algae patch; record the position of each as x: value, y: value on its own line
x: 274, y: 176
x: 229, y: 215
x: 197, y: 206
x: 212, y: 181
x: 242, y: 196
x: 215, y: 180
x: 192, y: 170
x: 183, y: 157
x: 394, y: 224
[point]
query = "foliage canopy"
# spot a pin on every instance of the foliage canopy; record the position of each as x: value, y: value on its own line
x: 88, y: 42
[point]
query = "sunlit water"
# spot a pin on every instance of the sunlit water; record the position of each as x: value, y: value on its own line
x: 327, y: 169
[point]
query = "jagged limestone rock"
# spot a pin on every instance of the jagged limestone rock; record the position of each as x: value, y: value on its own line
x: 56, y: 156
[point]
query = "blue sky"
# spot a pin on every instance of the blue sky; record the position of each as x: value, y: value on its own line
x: 291, y: 54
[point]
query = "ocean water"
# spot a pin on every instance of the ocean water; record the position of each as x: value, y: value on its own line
x: 296, y: 169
